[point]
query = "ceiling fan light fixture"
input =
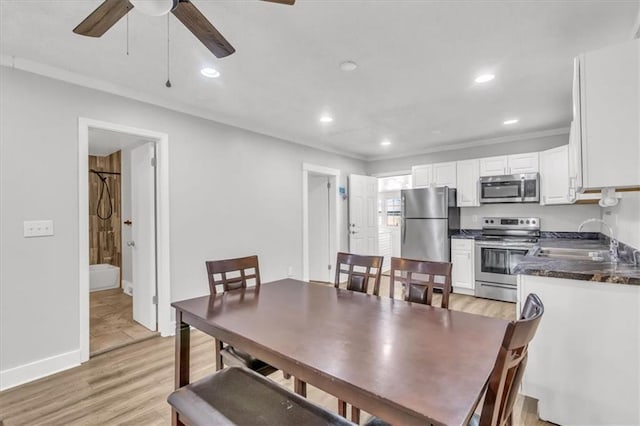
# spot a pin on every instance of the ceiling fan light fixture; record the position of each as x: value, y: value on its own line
x: 154, y: 7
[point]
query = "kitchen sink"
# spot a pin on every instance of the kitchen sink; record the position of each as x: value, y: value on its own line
x: 588, y: 254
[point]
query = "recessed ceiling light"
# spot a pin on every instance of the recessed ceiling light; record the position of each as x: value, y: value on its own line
x: 509, y: 122
x: 326, y: 119
x: 348, y: 66
x: 484, y: 78
x: 436, y: 132
x: 210, y: 72
x: 385, y: 143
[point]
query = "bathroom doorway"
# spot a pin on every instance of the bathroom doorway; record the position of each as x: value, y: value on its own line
x: 122, y: 270
x: 125, y: 207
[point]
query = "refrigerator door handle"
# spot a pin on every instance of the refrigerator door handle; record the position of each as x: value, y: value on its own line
x: 403, y: 225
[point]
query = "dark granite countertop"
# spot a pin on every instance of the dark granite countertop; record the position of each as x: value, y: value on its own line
x: 586, y: 270
x: 467, y: 234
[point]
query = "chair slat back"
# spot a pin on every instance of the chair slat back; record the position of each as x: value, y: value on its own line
x: 359, y: 270
x: 232, y: 274
x: 507, y: 373
x: 420, y: 290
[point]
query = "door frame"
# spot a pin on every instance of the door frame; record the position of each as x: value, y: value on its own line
x: 164, y: 323
x: 334, y: 231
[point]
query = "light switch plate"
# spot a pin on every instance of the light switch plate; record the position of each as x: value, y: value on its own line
x: 38, y: 228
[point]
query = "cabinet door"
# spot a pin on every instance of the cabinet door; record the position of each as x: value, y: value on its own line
x: 554, y: 176
x: 493, y: 166
x: 610, y: 148
x: 422, y: 175
x: 575, y: 133
x: 462, y: 272
x: 444, y: 174
x: 523, y: 163
x: 468, y: 174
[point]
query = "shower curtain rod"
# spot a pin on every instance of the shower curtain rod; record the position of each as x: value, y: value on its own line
x: 106, y: 173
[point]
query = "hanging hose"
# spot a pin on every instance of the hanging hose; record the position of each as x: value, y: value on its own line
x: 104, y: 185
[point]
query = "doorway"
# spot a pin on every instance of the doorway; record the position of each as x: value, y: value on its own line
x: 122, y: 240
x: 320, y: 222
x: 390, y: 216
x: 123, y: 211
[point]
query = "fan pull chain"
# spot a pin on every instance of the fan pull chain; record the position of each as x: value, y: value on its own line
x: 127, y: 34
x: 168, y: 83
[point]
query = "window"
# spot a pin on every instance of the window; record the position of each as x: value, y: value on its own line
x: 393, y: 211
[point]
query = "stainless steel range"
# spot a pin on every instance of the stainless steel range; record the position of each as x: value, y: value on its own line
x: 504, y: 241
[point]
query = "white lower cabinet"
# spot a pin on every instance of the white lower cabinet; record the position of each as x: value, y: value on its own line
x: 584, y: 361
x: 463, y: 272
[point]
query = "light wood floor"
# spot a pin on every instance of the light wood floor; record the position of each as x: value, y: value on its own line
x: 130, y: 385
x: 111, y: 323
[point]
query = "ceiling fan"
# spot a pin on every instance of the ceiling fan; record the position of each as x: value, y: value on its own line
x: 111, y: 11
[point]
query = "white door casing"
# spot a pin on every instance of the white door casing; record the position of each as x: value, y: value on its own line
x: 363, y: 215
x: 143, y: 233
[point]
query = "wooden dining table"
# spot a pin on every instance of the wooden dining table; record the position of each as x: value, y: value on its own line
x: 404, y: 362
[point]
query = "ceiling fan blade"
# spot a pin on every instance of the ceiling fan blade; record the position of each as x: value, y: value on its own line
x: 289, y: 2
x: 196, y: 22
x: 103, y: 18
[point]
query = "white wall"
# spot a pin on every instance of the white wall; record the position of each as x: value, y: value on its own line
x: 552, y: 218
x: 232, y: 193
x: 625, y: 219
x: 516, y: 147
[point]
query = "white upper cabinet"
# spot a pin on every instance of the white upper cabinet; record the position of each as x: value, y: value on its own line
x: 440, y: 174
x: 422, y: 175
x: 608, y: 93
x: 444, y: 174
x: 493, y: 166
x: 523, y: 163
x: 509, y: 164
x: 468, y: 174
x: 554, y: 176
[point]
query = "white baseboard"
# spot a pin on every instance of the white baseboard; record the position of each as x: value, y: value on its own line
x: 466, y: 291
x: 168, y: 330
x: 16, y: 376
x: 127, y: 287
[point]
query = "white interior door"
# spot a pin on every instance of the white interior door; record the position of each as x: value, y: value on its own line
x: 363, y: 215
x: 320, y: 256
x: 143, y: 233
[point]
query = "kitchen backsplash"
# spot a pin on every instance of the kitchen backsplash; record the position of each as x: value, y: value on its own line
x: 552, y: 218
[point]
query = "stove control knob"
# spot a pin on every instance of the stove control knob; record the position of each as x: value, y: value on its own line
x: 533, y: 222
x: 527, y: 221
x: 521, y: 221
x: 491, y: 220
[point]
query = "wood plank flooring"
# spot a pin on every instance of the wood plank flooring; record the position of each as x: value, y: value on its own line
x: 111, y: 323
x: 130, y: 385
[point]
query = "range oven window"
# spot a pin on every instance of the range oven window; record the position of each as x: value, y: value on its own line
x: 512, y: 189
x: 500, y: 260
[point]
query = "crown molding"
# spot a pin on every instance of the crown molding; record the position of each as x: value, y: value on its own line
x: 34, y: 67
x: 476, y: 143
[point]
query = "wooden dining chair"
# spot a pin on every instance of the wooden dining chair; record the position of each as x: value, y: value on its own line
x: 360, y: 270
x: 419, y: 289
x: 234, y: 274
x: 506, y: 376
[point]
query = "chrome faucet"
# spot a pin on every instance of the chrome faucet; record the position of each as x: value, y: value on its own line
x: 613, y: 243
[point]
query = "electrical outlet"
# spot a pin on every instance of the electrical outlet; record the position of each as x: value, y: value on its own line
x: 38, y: 228
x: 290, y: 272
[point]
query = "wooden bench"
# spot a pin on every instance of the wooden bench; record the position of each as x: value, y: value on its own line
x: 238, y: 396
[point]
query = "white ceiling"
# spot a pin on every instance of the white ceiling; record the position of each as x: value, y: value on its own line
x: 414, y: 84
x: 106, y: 142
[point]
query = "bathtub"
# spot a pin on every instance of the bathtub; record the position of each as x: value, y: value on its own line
x: 103, y: 276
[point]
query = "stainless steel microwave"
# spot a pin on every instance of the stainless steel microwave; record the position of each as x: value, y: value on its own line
x: 520, y: 188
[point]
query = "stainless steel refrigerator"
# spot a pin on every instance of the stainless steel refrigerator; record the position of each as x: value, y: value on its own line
x: 429, y: 217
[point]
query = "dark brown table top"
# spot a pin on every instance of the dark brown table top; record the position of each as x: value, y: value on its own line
x: 389, y: 357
